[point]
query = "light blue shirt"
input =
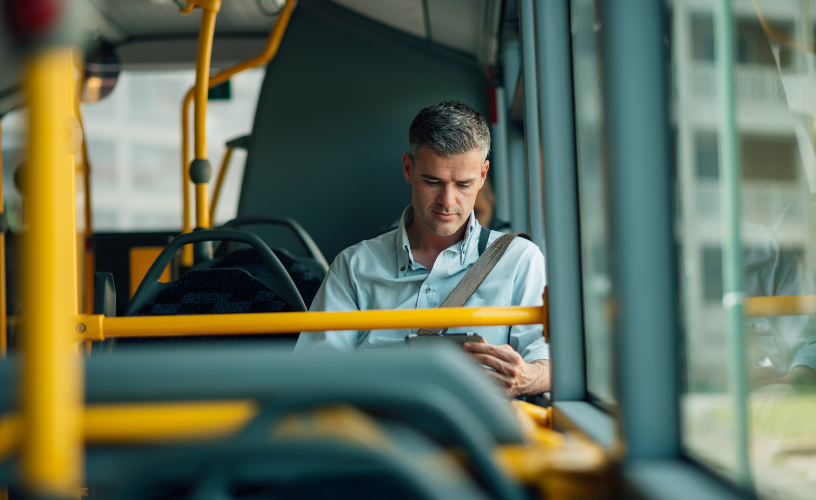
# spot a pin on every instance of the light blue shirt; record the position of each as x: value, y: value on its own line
x: 381, y: 273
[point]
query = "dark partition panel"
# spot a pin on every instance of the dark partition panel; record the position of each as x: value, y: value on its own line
x: 332, y: 122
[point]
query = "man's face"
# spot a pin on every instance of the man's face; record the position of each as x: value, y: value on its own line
x: 443, y: 190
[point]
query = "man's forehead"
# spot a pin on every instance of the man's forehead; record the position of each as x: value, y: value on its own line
x: 430, y: 163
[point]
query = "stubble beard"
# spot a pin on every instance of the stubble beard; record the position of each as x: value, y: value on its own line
x: 437, y: 227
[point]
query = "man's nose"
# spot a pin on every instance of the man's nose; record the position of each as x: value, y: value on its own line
x: 448, y: 196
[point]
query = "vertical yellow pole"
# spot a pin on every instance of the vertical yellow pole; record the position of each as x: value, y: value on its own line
x: 51, y: 371
x: 90, y: 260
x: 186, y: 226
x: 205, y: 41
x: 3, y: 322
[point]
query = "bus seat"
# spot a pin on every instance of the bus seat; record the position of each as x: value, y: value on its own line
x: 435, y: 395
x: 306, y: 281
x: 214, y: 291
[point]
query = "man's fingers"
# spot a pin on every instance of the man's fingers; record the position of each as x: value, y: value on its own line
x: 503, y: 352
x: 497, y: 364
x: 504, y: 381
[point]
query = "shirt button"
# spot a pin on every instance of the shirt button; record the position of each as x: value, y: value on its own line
x: 402, y: 268
x: 427, y: 290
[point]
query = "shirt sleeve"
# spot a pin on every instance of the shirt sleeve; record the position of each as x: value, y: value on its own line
x: 798, y: 332
x: 335, y: 294
x: 528, y: 290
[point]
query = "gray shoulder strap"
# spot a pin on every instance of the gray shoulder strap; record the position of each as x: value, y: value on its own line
x: 475, y: 276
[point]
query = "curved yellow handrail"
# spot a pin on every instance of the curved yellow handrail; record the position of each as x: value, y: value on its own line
x: 269, y: 52
x: 775, y: 35
x: 222, y: 173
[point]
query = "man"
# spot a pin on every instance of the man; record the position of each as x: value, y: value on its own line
x: 419, y: 264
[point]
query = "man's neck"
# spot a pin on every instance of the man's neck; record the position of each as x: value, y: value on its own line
x: 426, y: 246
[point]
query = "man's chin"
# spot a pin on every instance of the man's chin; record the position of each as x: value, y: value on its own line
x: 444, y: 230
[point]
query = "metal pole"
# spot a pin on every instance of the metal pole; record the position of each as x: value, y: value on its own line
x: 535, y: 185
x: 501, y: 158
x: 732, y: 250
x: 52, y: 371
x: 555, y: 103
x: 643, y: 259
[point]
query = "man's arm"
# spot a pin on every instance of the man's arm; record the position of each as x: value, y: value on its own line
x: 334, y: 295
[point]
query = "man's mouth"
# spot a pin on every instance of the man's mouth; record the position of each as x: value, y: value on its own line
x: 445, y: 215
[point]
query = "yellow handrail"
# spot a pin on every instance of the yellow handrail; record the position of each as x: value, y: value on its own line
x: 272, y: 44
x: 221, y: 174
x: 777, y: 36
x: 205, y: 41
x: 780, y: 305
x: 89, y: 257
x: 147, y: 422
x: 99, y: 327
x: 52, y: 387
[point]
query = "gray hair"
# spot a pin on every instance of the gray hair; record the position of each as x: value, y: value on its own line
x: 449, y: 128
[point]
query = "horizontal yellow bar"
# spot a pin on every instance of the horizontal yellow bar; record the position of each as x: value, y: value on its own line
x: 118, y: 423
x: 293, y: 322
x: 147, y: 422
x: 780, y: 305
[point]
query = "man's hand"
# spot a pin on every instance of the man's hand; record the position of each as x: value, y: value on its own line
x: 518, y: 377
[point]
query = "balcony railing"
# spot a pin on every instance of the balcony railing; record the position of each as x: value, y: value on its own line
x: 756, y: 85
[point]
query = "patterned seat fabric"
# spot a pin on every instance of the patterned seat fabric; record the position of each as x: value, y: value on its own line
x: 306, y: 282
x: 214, y: 291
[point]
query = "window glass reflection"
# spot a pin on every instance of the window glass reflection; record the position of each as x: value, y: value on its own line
x: 776, y: 106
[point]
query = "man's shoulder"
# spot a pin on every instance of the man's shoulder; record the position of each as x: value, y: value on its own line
x: 520, y: 247
x: 375, y: 250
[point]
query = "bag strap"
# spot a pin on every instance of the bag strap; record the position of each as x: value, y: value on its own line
x: 477, y: 274
x: 484, y: 236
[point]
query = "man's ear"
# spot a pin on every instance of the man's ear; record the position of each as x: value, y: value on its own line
x: 407, y: 164
x: 485, y: 168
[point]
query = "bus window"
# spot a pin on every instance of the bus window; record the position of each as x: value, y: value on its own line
x: 775, y: 177
x: 593, y: 208
x: 134, y: 140
x: 14, y: 141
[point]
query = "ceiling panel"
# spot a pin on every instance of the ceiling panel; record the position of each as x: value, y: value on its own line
x: 457, y: 23
x: 404, y: 15
x: 161, y: 18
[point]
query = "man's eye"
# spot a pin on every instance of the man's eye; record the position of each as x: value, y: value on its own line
x: 432, y: 183
x: 465, y: 186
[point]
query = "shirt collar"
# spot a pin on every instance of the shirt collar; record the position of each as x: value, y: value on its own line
x: 405, y: 259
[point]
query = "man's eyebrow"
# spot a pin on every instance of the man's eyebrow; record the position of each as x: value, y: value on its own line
x: 432, y: 178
